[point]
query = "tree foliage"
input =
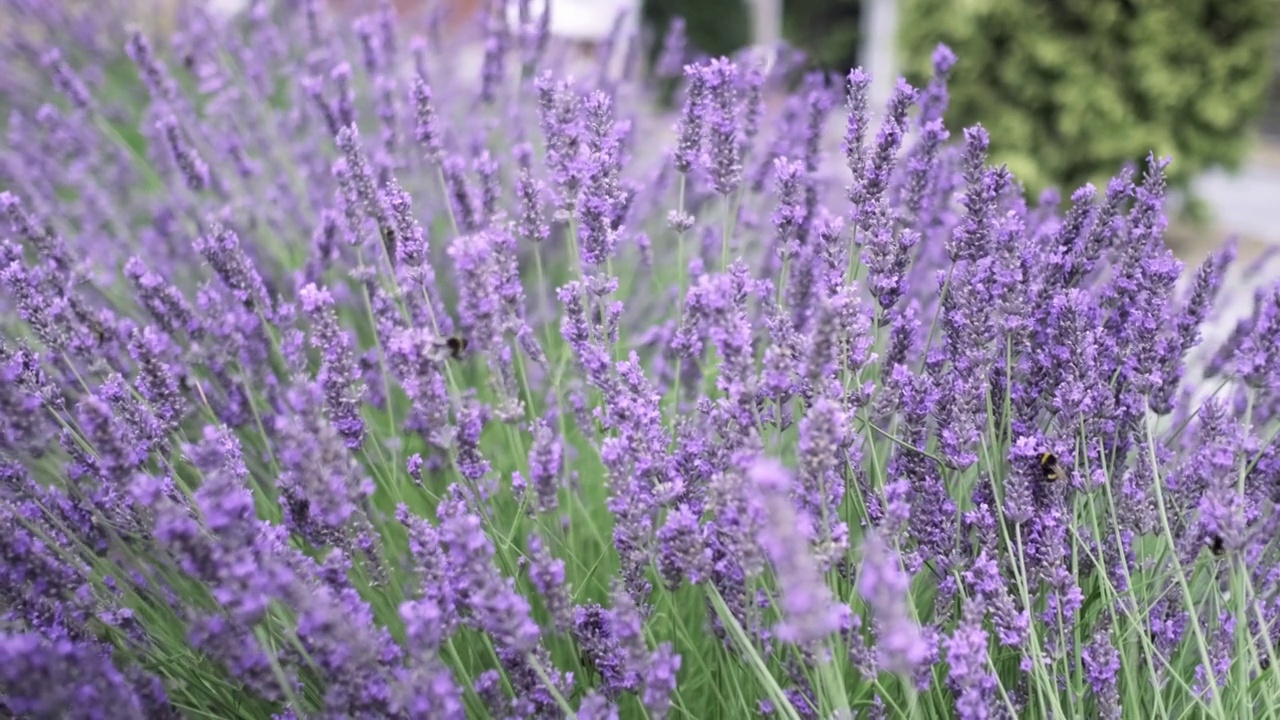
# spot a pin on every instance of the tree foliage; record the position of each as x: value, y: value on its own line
x: 1072, y: 89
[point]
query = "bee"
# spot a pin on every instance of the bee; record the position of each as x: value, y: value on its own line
x: 453, y: 346
x: 1053, y: 470
x: 1216, y: 545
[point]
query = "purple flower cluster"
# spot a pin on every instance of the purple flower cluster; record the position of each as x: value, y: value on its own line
x: 336, y: 383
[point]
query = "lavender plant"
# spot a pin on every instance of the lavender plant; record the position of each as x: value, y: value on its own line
x: 339, y: 384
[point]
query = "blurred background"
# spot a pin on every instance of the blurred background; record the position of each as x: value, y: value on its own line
x: 1071, y: 90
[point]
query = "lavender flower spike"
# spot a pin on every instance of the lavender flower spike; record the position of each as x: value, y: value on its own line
x: 810, y: 613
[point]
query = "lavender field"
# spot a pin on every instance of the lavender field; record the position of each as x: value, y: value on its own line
x: 335, y: 383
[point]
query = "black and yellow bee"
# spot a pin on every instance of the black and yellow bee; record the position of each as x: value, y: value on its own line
x: 457, y: 345
x: 1053, y: 470
x: 1216, y: 545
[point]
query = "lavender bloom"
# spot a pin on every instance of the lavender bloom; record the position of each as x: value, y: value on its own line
x: 492, y: 297
x: 690, y: 126
x: 427, y: 131
x: 547, y: 575
x: 821, y: 489
x: 426, y: 688
x: 487, y: 168
x: 1178, y: 340
x: 62, y: 678
x: 682, y: 552
x: 461, y: 195
x: 159, y: 82
x: 576, y: 329
x: 810, y: 613
x: 194, y: 170
x: 991, y: 588
x: 612, y: 641
x: 723, y: 126
x: 886, y: 249
x: 413, y: 259
x: 660, y: 681
x: 933, y: 103
x: 488, y: 687
x: 222, y: 250
x: 546, y: 460
x: 321, y: 488
x: 52, y: 248
x: 471, y: 462
x: 342, y: 386
x: 365, y: 191
x: 790, y: 213
x: 753, y: 109
x: 857, y: 86
x: 597, y: 707
x: 157, y: 381
x: 966, y: 653
x: 532, y: 220
x: 560, y: 117
x: 345, y: 105
x: 1102, y: 667
x: 24, y: 401
x: 67, y: 80
x: 42, y: 589
x: 1258, y: 356
x: 492, y: 67
x: 1224, y: 511
x: 716, y: 306
x: 871, y: 176
x: 921, y: 166
x: 415, y: 359
x: 241, y: 570
x: 674, y: 50
x: 490, y: 601
x: 884, y: 586
x: 972, y: 237
x: 44, y: 314
x: 601, y: 198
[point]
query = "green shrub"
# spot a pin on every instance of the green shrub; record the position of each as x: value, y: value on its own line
x: 1071, y: 89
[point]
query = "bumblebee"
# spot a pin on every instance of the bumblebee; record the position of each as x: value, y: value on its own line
x: 449, y: 348
x: 1053, y: 470
x: 1216, y: 545
x: 457, y: 345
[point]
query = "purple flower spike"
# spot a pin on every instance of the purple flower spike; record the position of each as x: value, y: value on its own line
x: 723, y: 125
x: 884, y: 586
x: 810, y: 613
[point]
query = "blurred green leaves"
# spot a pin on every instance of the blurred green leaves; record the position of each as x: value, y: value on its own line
x: 1073, y: 89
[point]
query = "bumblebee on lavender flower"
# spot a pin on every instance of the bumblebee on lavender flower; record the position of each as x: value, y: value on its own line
x: 1217, y: 545
x: 457, y: 345
x: 1053, y: 470
x: 453, y: 347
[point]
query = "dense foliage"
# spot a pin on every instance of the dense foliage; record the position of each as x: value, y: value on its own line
x: 337, y: 384
x: 1072, y: 90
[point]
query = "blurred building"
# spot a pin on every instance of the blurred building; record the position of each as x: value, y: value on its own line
x: 577, y: 20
